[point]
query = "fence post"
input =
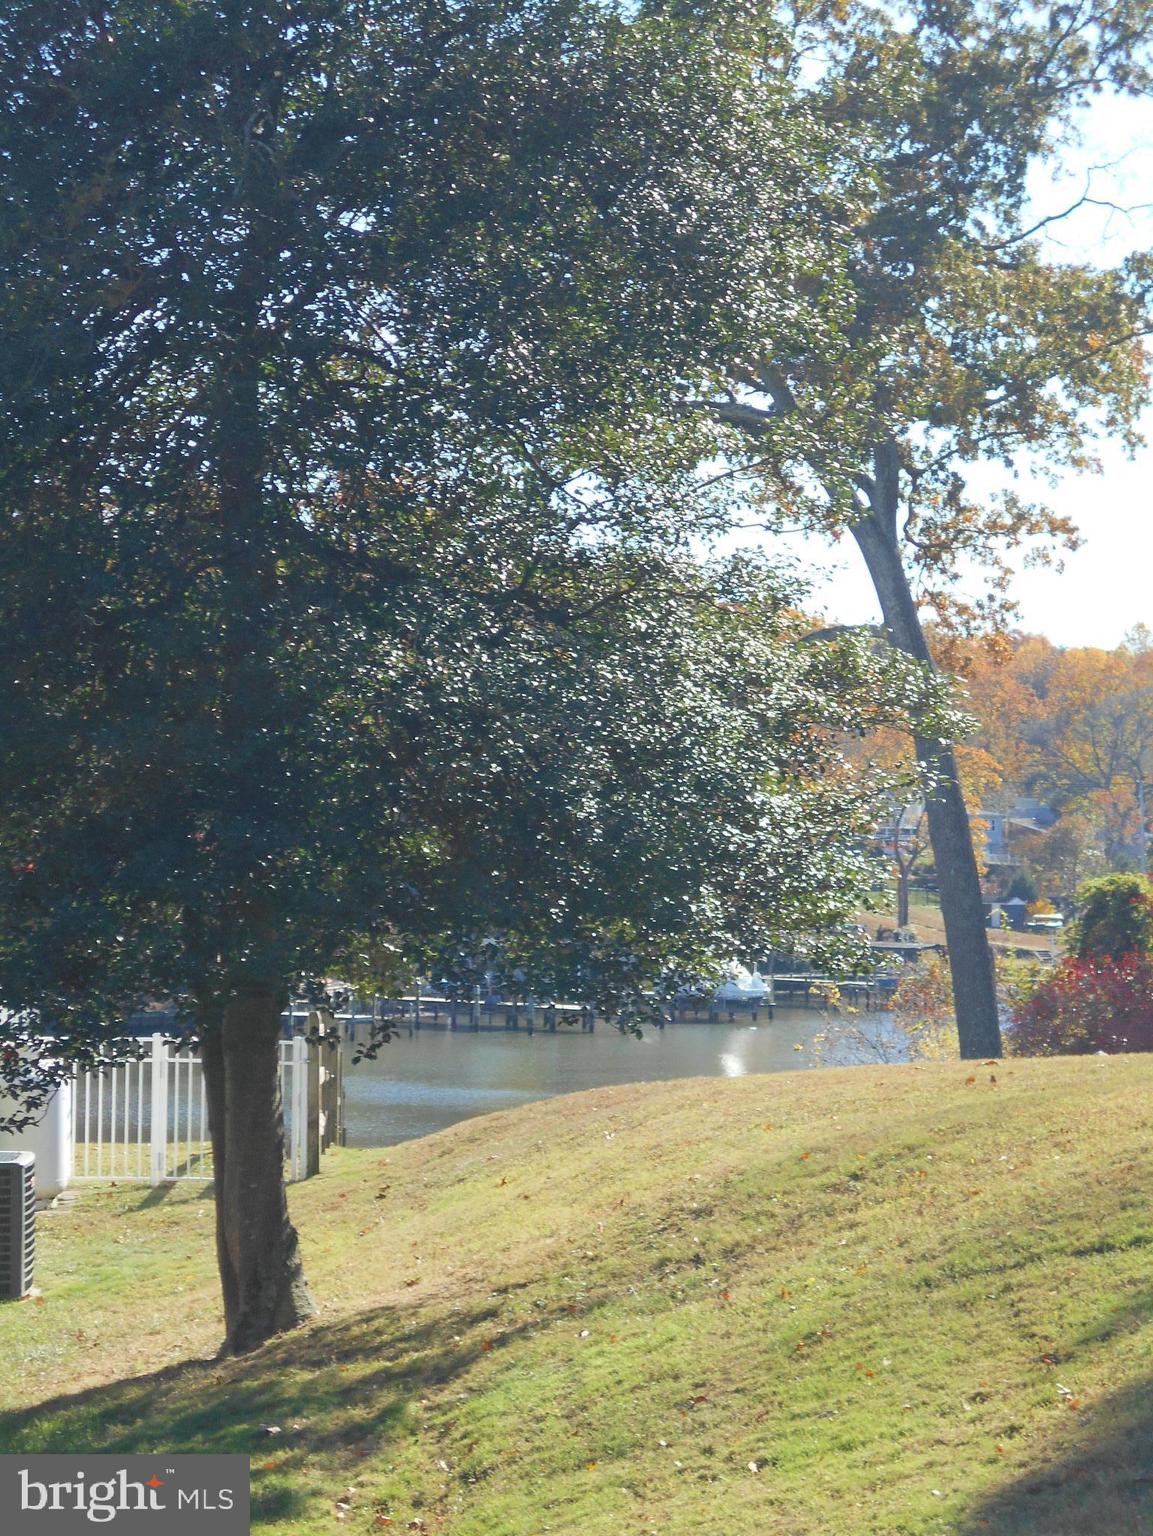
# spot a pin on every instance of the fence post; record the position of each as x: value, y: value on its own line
x: 158, y: 1130
x: 298, y: 1131
x: 312, y: 1135
x: 334, y: 1088
x: 338, y: 1082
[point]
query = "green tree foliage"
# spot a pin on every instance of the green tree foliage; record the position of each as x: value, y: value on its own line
x: 343, y: 518
x: 964, y: 341
x: 1023, y: 886
x: 1115, y: 918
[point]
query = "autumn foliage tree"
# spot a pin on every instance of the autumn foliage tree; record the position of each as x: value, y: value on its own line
x: 956, y: 341
x: 1075, y: 728
x: 1093, y: 737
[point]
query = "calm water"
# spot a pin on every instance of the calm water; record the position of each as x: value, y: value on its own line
x: 421, y: 1083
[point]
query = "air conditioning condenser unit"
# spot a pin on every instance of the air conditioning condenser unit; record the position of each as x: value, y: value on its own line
x: 17, y: 1223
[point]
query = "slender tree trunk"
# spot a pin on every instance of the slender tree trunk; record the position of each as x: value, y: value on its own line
x: 1142, y: 822
x: 962, y: 905
x: 261, y: 1277
x: 902, y: 898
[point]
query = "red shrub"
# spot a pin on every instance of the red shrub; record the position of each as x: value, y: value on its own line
x: 1095, y: 1004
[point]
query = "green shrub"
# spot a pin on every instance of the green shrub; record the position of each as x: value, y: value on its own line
x: 1115, y: 918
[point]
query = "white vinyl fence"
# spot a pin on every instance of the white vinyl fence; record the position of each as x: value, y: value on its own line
x: 147, y: 1119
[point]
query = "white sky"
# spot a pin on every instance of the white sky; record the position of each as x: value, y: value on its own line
x: 1107, y: 585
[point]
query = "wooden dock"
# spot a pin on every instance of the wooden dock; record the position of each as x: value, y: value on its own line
x: 475, y: 1016
x: 479, y: 1015
x: 799, y: 989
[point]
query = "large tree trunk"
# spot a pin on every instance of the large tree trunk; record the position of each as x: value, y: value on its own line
x: 962, y: 905
x: 261, y: 1277
x: 212, y: 1064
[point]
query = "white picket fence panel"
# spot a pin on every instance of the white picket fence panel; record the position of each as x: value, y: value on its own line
x: 146, y: 1119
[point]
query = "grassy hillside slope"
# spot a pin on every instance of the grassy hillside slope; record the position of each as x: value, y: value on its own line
x: 911, y: 1299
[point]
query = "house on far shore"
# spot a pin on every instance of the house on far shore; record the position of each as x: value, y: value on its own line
x: 904, y: 834
x: 1005, y: 821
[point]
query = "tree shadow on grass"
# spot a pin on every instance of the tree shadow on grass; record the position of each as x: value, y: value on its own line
x: 160, y: 1194
x: 1100, y: 1479
x: 336, y: 1389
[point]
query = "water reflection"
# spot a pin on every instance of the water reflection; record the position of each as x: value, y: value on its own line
x: 422, y: 1082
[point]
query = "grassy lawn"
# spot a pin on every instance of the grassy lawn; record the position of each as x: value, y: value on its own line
x: 929, y: 927
x: 885, y: 1300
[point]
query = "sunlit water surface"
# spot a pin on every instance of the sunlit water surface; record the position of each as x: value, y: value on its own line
x: 422, y: 1082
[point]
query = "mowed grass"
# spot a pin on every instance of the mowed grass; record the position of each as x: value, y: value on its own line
x: 903, y: 1299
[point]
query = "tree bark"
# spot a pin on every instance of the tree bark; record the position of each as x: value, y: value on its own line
x: 962, y: 905
x: 902, y: 898
x: 212, y: 1064
x: 261, y: 1276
